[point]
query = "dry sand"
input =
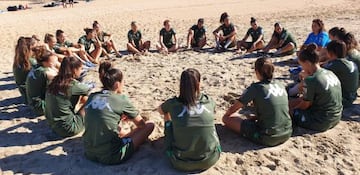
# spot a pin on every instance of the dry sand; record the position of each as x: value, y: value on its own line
x: 27, y: 145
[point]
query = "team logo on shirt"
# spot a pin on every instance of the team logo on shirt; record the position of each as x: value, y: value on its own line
x: 276, y: 91
x: 352, y: 67
x: 99, y: 103
x: 331, y: 81
x: 198, y: 109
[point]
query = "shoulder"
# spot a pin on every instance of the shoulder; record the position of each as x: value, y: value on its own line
x: 130, y: 32
x: 193, y: 27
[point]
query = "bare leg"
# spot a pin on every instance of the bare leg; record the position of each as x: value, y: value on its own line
x: 233, y: 122
x: 258, y: 46
x: 132, y: 49
x: 139, y: 135
x: 95, y: 54
x: 289, y: 47
x: 111, y: 46
x: 202, y: 43
x: 146, y: 46
x: 271, y: 45
x: 190, y: 38
x: 174, y: 48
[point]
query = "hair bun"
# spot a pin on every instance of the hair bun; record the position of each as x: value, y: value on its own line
x: 311, y: 47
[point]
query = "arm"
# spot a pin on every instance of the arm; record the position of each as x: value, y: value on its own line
x: 167, y: 116
x: 175, y: 41
x: 216, y: 31
x: 245, y: 37
x: 235, y: 107
x: 303, y: 105
x: 161, y: 41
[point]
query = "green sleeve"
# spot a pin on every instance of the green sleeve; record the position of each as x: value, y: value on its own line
x: 284, y: 36
x: 248, y: 32
x: 162, y: 32
x: 69, y: 44
x: 57, y: 47
x: 173, y: 32
x: 79, y: 88
x: 248, y: 95
x: 81, y: 41
x: 309, y: 90
x: 128, y: 108
x: 140, y: 35
x: 166, y: 106
x: 129, y: 37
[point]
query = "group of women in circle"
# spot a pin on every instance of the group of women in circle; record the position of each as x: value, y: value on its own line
x: 49, y: 77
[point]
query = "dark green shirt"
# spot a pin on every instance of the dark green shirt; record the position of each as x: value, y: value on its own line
x: 20, y: 75
x: 59, y: 45
x: 271, y: 105
x: 194, y: 133
x: 255, y: 34
x: 354, y: 56
x: 285, y: 36
x: 134, y: 36
x: 87, y: 43
x: 36, y: 84
x: 323, y: 90
x: 167, y: 36
x: 199, y: 33
x: 103, y: 112
x: 102, y: 35
x: 60, y: 108
x: 348, y: 74
x: 227, y: 29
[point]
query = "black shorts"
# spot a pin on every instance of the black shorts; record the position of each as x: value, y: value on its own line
x: 311, y: 120
x: 169, y: 45
x: 251, y: 131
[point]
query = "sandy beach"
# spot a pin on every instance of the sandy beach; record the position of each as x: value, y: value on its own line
x: 27, y: 145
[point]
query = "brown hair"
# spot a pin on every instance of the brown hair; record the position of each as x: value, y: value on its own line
x: 88, y: 30
x: 166, y: 22
x: 109, y: 75
x: 338, y: 48
x: 189, y: 87
x: 48, y: 37
x: 265, y: 68
x: 22, y: 53
x: 41, y: 54
x: 95, y: 23
x: 309, y: 54
x: 61, y: 82
x: 350, y: 41
x: 320, y: 23
x: 223, y: 17
x: 59, y: 32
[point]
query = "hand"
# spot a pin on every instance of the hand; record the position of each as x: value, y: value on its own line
x: 303, y: 75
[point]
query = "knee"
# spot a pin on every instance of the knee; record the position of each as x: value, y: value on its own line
x: 149, y: 125
x: 225, y: 120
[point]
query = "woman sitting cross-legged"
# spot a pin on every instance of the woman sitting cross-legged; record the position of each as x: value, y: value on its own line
x: 271, y: 124
x: 191, y: 141
x: 104, y: 139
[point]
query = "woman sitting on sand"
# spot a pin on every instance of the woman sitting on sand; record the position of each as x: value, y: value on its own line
x: 107, y: 44
x: 257, y: 35
x: 271, y: 125
x: 88, y: 40
x: 353, y: 52
x: 281, y: 40
x: 318, y: 35
x: 320, y: 107
x: 39, y: 78
x: 228, y: 37
x: 197, y: 35
x: 135, y: 44
x: 68, y: 48
x: 191, y: 141
x: 345, y: 70
x: 64, y: 94
x: 23, y: 62
x: 104, y: 139
x: 167, y: 39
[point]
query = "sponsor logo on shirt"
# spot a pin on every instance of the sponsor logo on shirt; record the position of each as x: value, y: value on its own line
x: 276, y: 91
x: 99, y: 103
x: 198, y: 109
x: 331, y: 81
x: 352, y: 67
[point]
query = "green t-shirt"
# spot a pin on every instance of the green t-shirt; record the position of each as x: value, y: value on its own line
x: 323, y: 90
x: 87, y: 43
x: 194, y: 133
x: 354, y: 56
x: 20, y: 75
x: 199, y: 33
x: 227, y: 29
x: 103, y: 112
x: 59, y: 45
x: 271, y: 104
x: 167, y: 36
x: 36, y: 84
x: 102, y: 35
x: 134, y: 36
x: 348, y: 74
x: 60, y: 108
x: 255, y: 34
x: 286, y: 36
